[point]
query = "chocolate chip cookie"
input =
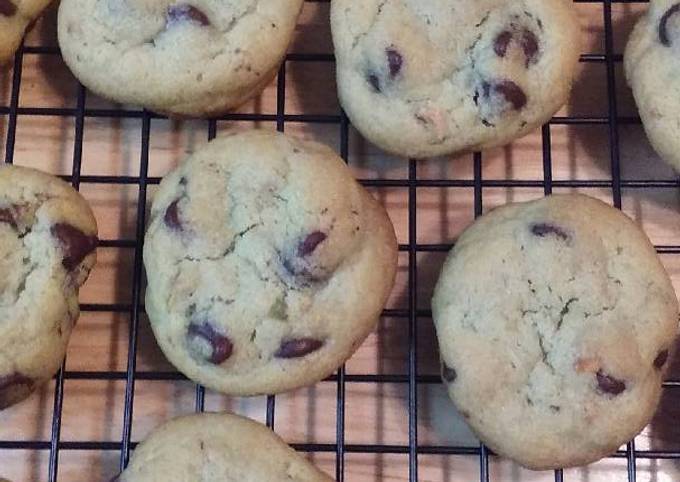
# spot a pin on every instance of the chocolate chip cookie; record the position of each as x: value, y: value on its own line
x: 268, y: 264
x: 15, y: 18
x: 556, y: 323
x: 217, y: 447
x: 423, y: 79
x: 194, y: 59
x: 48, y: 237
x: 651, y: 63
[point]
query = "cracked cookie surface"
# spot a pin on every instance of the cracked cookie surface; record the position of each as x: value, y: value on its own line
x: 16, y: 16
x: 268, y: 264
x: 213, y: 447
x: 48, y: 237
x: 197, y: 58
x: 651, y: 65
x: 422, y: 79
x: 555, y: 320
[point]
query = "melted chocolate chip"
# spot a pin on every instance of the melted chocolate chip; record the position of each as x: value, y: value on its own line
x: 449, y: 375
x: 512, y: 93
x: 661, y: 359
x: 7, y: 8
x: 298, y: 347
x: 608, y: 384
x: 75, y: 244
x: 183, y: 12
x: 663, y: 25
x: 374, y: 81
x: 221, y: 347
x: 543, y: 230
x: 310, y: 243
x: 529, y: 46
x: 298, y: 262
x: 7, y: 216
x: 527, y: 40
x: 394, y: 60
x: 171, y: 217
x: 502, y: 42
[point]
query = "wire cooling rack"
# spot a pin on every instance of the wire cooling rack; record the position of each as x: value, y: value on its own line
x: 412, y: 315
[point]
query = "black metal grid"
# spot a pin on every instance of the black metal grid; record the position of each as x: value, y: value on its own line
x: 412, y: 378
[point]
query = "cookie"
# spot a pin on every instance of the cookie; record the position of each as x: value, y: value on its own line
x: 48, y: 237
x: 651, y: 64
x: 16, y: 16
x: 267, y: 264
x: 190, y: 59
x: 214, y: 447
x: 556, y: 322
x: 424, y: 79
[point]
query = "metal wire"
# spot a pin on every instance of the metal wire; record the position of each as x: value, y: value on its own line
x: 412, y: 378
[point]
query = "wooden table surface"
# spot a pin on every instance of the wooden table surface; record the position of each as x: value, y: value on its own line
x: 375, y: 413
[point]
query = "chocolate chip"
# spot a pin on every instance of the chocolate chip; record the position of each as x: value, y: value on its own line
x: 7, y: 8
x: 509, y: 91
x: 171, y: 217
x: 449, y: 375
x: 608, y: 384
x: 310, y: 243
x: 75, y: 244
x: 8, y: 216
x: 529, y: 46
x: 298, y: 347
x: 663, y: 24
x: 394, y: 60
x: 502, y: 42
x: 374, y: 81
x: 528, y: 42
x: 220, y: 347
x: 183, y: 12
x: 298, y: 262
x: 543, y: 230
x: 661, y: 359
x: 512, y: 93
